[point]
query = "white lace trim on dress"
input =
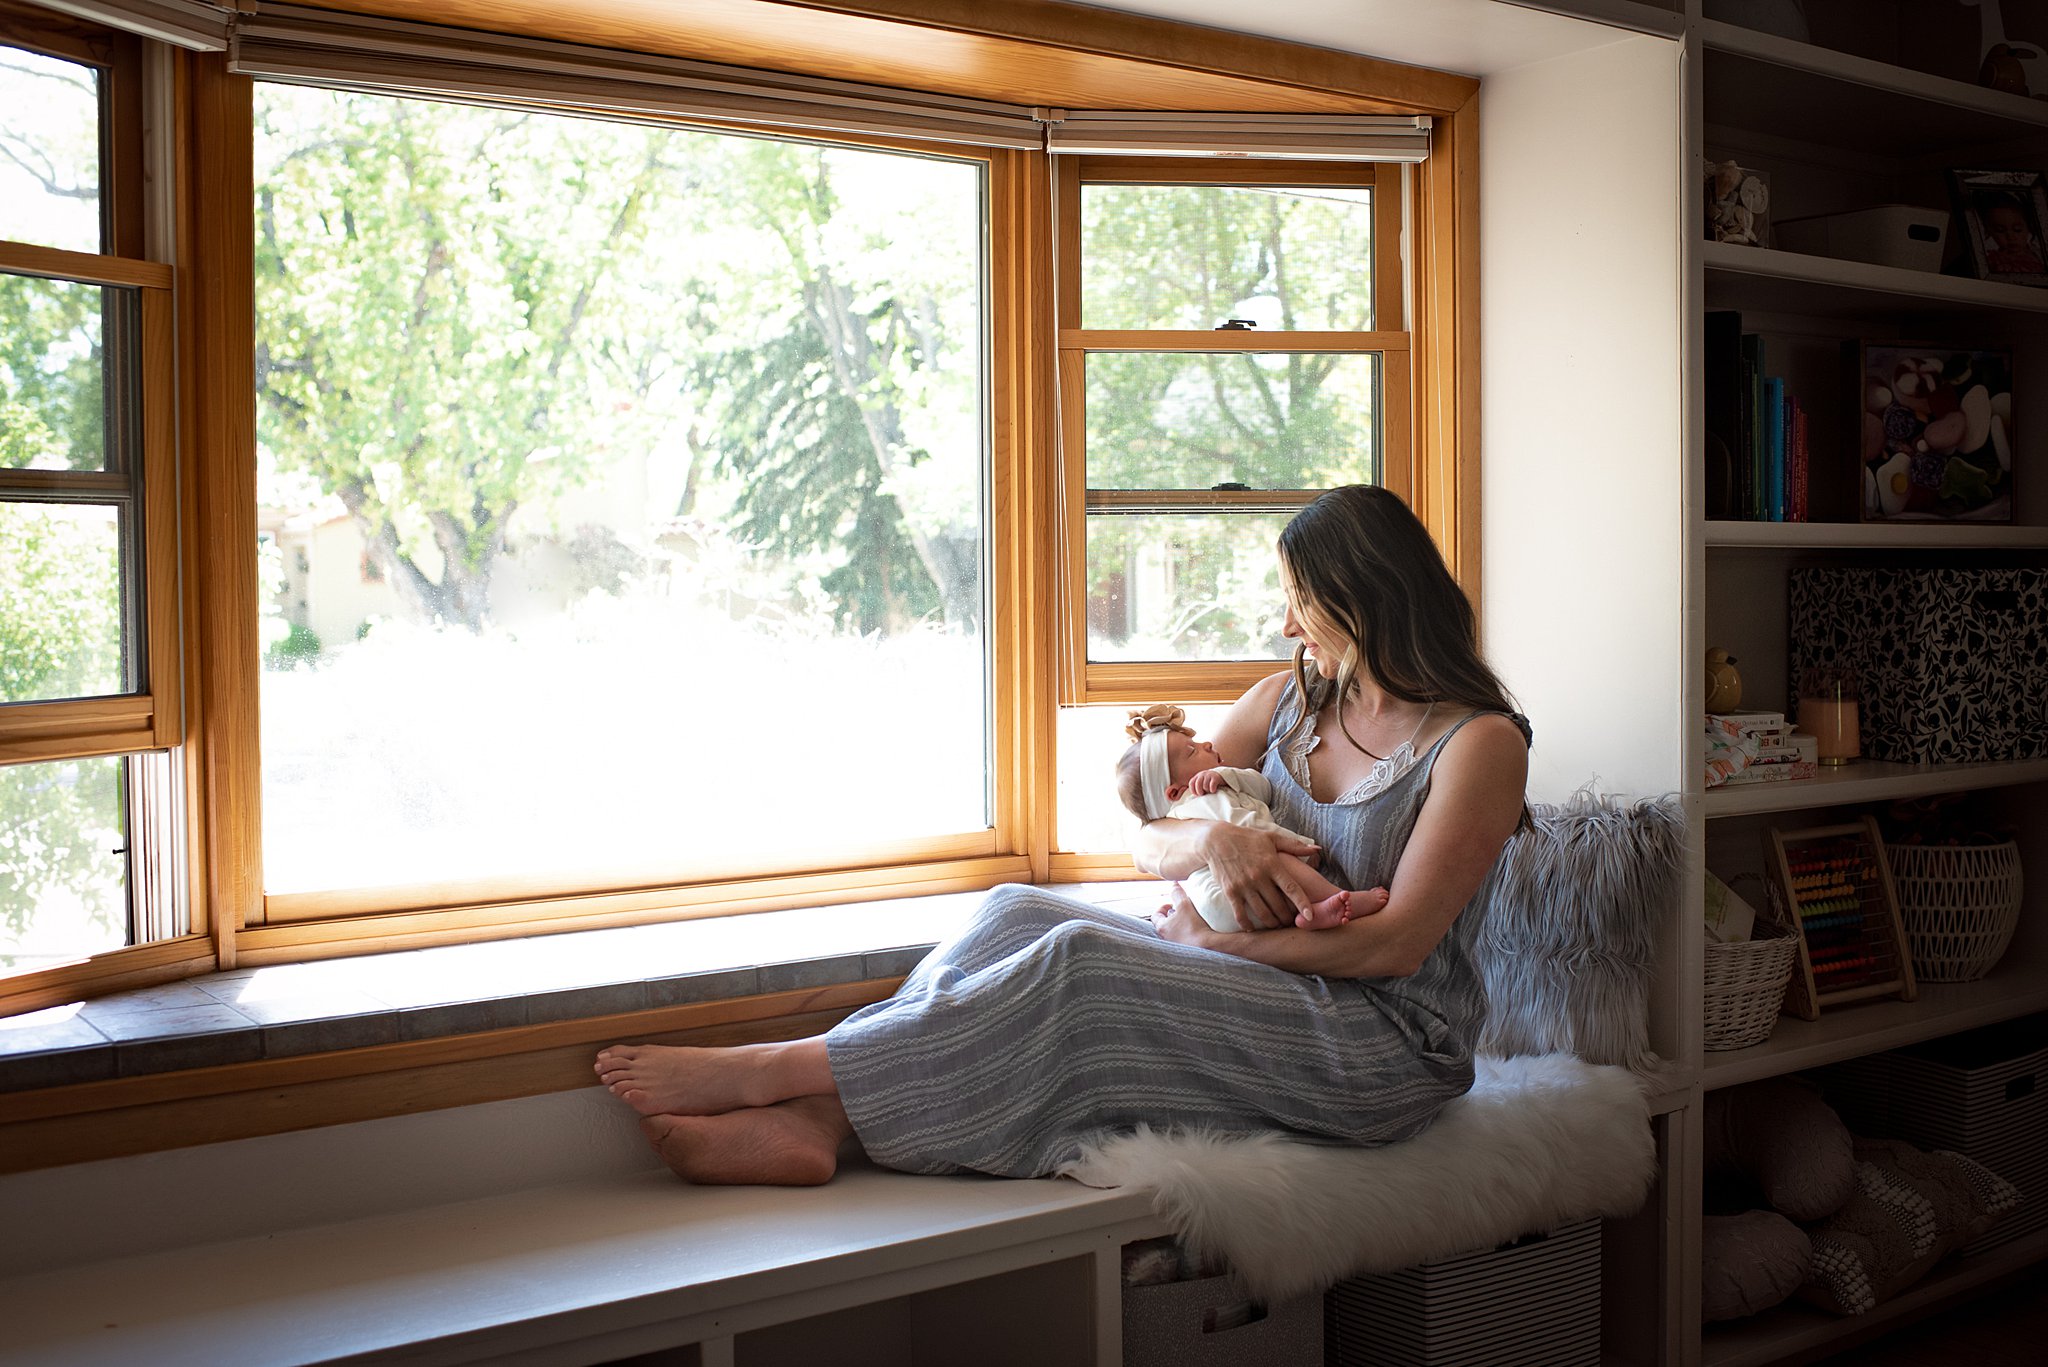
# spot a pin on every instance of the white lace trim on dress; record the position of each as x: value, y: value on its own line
x: 1384, y: 774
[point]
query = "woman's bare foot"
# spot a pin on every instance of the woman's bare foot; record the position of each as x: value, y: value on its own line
x: 791, y: 1144
x: 673, y: 1079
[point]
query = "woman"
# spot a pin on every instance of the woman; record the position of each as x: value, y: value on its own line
x: 1049, y: 1021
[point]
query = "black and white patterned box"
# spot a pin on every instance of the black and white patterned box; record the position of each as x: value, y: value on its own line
x: 1952, y: 664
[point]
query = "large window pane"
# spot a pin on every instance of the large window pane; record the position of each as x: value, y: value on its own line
x: 53, y: 371
x: 62, y: 631
x: 623, y: 495
x: 1185, y: 587
x: 1196, y: 256
x: 1269, y: 420
x: 49, y: 152
x: 63, y: 870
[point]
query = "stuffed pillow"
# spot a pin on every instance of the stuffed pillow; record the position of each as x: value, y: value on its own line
x: 1909, y: 1209
x: 1749, y: 1263
x: 1777, y: 1144
x: 1570, y: 936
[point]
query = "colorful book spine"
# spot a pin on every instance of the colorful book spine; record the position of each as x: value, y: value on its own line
x: 1774, y: 448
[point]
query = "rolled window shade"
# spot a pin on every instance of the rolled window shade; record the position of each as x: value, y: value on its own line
x: 184, y: 23
x: 325, y: 47
x: 1315, y: 137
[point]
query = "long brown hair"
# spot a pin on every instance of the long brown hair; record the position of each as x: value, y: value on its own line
x: 1358, y: 559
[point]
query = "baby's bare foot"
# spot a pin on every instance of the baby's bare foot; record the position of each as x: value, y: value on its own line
x: 791, y: 1144
x: 670, y: 1079
x: 1367, y: 902
x: 1333, y: 910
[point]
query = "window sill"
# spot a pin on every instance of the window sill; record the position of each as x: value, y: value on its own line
x: 298, y: 1010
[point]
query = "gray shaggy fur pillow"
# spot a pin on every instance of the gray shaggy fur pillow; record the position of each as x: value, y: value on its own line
x: 1570, y: 935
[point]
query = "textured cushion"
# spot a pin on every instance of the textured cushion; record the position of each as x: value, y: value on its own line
x: 1750, y: 1262
x: 1570, y: 938
x: 1777, y: 1144
x: 1909, y: 1209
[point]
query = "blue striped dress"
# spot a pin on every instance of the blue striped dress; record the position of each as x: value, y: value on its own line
x: 1048, y: 1022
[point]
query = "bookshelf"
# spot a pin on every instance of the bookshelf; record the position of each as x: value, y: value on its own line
x: 1838, y: 130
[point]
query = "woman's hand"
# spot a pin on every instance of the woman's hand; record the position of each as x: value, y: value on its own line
x: 1252, y: 869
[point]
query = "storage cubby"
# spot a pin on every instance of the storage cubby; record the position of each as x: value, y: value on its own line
x: 1873, y: 106
x: 1006, y: 1319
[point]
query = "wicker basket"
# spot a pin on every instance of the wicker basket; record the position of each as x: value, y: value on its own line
x: 1746, y: 985
x: 1959, y: 904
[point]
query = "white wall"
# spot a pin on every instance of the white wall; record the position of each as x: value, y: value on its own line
x: 1582, y: 532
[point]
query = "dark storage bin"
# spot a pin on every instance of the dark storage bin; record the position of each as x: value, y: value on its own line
x: 1533, y: 1303
x: 1982, y: 1094
x: 1209, y: 1323
x: 1952, y: 663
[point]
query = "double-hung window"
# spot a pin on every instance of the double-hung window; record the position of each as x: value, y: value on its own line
x: 1231, y: 344
x: 91, y: 852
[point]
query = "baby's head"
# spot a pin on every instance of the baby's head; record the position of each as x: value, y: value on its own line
x: 1164, y: 755
x: 2005, y: 222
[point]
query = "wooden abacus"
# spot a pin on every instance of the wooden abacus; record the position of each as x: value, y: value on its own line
x: 1836, y: 885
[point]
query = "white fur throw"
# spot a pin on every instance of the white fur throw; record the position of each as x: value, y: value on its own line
x: 1538, y: 1142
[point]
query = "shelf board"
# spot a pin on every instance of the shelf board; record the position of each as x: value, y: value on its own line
x: 1852, y: 102
x: 1789, y: 1330
x: 1870, y: 780
x: 1887, y: 536
x: 1764, y: 279
x: 2018, y: 987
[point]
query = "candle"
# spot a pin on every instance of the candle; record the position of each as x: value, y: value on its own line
x: 1832, y: 721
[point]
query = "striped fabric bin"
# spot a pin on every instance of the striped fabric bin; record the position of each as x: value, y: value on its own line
x: 1533, y: 1303
x: 1981, y: 1094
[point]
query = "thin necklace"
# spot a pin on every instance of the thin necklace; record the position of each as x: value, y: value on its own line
x: 1421, y: 721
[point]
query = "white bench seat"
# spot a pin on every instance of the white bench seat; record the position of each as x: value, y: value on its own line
x: 595, y: 1271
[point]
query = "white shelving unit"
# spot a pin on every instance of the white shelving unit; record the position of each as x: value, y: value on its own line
x: 1839, y: 130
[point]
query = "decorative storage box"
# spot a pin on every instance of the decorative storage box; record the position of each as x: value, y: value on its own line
x: 1534, y: 1303
x: 1208, y: 1323
x: 1953, y: 664
x: 1893, y: 235
x: 1981, y: 1094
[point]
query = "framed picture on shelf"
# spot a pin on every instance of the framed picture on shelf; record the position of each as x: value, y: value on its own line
x: 1937, y: 435
x: 2004, y: 214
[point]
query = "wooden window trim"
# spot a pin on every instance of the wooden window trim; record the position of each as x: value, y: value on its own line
x: 216, y: 420
x: 150, y: 718
x: 1091, y: 683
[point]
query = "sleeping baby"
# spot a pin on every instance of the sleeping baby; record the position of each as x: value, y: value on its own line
x: 1167, y: 772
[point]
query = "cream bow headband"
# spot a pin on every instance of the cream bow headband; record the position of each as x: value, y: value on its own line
x: 1150, y: 727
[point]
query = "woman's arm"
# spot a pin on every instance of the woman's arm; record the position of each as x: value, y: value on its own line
x: 1475, y: 800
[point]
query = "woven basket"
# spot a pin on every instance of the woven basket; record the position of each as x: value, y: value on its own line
x: 1746, y: 984
x: 1959, y: 905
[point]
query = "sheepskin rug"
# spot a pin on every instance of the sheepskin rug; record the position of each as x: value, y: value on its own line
x: 1540, y: 1141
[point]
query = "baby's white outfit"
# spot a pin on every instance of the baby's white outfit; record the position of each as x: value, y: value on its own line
x: 1246, y: 800
x: 1242, y: 801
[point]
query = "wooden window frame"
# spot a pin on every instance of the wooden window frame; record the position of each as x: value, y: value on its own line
x: 1086, y: 682
x: 1116, y: 56
x: 282, y: 927
x: 148, y: 718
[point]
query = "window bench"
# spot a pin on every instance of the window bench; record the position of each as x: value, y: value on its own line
x: 262, y: 1050
x: 231, y: 1253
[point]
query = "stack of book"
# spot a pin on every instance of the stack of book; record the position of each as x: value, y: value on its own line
x: 1774, y: 750
x: 1755, y: 426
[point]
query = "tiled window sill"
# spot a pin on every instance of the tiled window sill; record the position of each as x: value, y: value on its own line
x: 297, y: 1009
